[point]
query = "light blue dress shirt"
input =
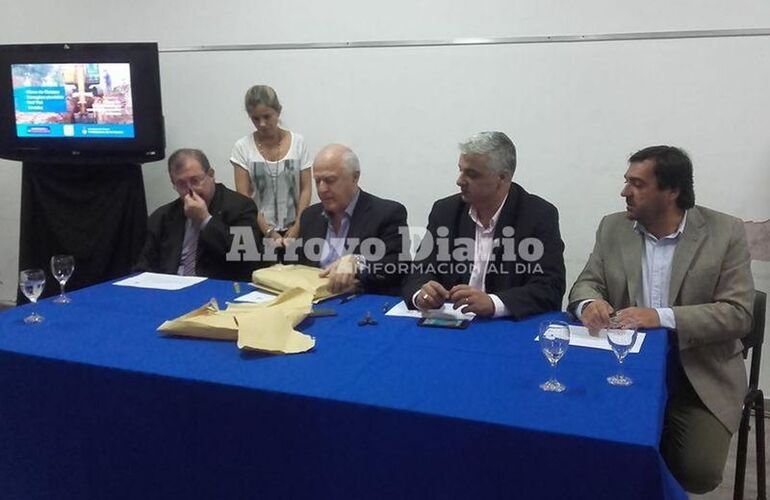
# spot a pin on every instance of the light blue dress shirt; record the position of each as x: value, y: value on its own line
x: 657, y: 258
x: 334, y: 244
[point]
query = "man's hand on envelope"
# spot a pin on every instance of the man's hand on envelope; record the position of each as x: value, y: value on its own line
x: 341, y: 274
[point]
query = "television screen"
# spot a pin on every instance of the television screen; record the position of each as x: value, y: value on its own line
x: 81, y: 103
x: 73, y: 100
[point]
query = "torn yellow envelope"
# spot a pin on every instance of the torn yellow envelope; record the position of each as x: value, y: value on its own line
x: 266, y: 327
x: 282, y: 277
x: 296, y: 297
x: 206, y: 322
x: 272, y: 328
x: 273, y: 331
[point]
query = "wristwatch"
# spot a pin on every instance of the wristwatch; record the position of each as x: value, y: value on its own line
x: 270, y: 231
x: 361, y: 268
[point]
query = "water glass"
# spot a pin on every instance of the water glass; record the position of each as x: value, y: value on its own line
x: 62, y: 267
x: 32, y: 283
x: 554, y: 340
x: 621, y: 341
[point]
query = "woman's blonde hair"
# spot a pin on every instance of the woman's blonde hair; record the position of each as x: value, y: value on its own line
x: 261, y: 95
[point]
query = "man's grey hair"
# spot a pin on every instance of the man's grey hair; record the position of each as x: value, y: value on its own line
x: 261, y: 95
x: 350, y: 162
x: 179, y: 157
x: 498, y: 148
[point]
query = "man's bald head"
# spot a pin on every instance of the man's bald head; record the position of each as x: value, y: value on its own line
x: 342, y: 154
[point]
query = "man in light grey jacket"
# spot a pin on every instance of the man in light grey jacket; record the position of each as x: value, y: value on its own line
x: 666, y: 263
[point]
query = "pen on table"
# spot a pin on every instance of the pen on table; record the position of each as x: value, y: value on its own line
x: 316, y: 313
x: 348, y: 298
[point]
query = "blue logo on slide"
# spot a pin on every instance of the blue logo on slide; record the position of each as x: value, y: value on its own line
x: 77, y: 130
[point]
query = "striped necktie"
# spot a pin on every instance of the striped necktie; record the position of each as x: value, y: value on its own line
x: 190, y: 248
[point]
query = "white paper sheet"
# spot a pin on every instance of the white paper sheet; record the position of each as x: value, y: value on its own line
x: 160, y: 281
x: 400, y: 309
x: 579, y: 336
x: 256, y: 297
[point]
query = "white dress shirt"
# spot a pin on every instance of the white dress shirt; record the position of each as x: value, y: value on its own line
x: 484, y: 244
x: 482, y: 252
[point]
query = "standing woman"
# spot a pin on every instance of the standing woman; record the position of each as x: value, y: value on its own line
x: 272, y: 166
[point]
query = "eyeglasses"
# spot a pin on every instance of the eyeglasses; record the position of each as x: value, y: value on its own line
x: 183, y: 185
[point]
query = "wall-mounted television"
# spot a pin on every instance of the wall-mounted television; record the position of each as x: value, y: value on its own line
x: 81, y: 103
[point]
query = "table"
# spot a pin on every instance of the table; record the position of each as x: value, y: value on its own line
x: 94, y: 404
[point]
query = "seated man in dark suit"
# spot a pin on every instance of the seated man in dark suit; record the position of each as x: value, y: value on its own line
x: 352, y: 235
x: 191, y: 235
x: 493, y: 249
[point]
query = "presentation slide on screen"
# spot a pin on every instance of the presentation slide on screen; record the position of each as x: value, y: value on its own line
x: 73, y: 100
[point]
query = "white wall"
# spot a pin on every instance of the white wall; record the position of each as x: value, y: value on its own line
x: 201, y: 22
x: 575, y: 111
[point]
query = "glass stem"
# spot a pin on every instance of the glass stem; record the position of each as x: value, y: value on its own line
x: 61, y: 285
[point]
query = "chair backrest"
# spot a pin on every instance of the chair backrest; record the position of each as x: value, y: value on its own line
x: 756, y: 336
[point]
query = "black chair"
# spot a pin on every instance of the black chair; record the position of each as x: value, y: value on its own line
x: 754, y: 400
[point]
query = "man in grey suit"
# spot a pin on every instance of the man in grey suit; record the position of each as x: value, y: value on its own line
x: 666, y: 263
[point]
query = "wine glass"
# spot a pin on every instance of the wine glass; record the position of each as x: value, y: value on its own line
x: 554, y: 340
x: 62, y: 267
x: 31, y: 283
x: 621, y: 340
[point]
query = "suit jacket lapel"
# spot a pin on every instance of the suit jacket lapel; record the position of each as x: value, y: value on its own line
x: 215, y: 207
x: 358, y: 219
x: 318, y: 224
x: 692, y: 239
x: 508, y: 217
x: 466, y: 228
x: 631, y: 251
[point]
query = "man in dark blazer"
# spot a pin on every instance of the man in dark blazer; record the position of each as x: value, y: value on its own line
x: 351, y: 234
x: 667, y: 263
x: 493, y: 249
x: 191, y: 235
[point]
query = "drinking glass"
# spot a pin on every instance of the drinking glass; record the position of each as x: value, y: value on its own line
x: 554, y: 340
x: 621, y: 341
x: 62, y: 267
x: 31, y: 283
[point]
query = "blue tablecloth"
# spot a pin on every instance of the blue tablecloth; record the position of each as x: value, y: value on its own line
x: 94, y: 404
